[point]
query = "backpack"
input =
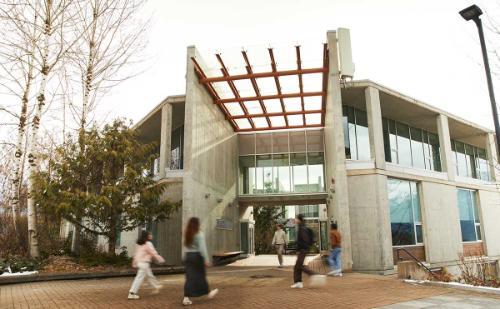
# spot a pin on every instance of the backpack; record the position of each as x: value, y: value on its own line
x: 310, y: 236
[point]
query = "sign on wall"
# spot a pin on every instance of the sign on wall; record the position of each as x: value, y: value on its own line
x: 224, y: 224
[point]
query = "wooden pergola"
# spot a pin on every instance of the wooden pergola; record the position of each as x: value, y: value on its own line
x: 279, y: 110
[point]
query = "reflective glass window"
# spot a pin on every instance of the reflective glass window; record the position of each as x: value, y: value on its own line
x: 417, y: 148
x: 247, y: 174
x: 246, y: 144
x: 264, y: 174
x: 281, y: 171
x: 404, y: 146
x: 362, y: 138
x: 263, y: 143
x: 297, y: 141
x: 316, y: 171
x: 470, y: 223
x: 299, y: 172
x: 280, y: 142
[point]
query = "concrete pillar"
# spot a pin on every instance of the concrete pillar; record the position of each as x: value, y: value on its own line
x: 447, y: 164
x: 491, y: 153
x: 338, y: 207
x: 165, y: 140
x: 375, y: 129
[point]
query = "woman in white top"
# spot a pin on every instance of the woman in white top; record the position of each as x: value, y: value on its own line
x: 279, y: 242
x: 196, y: 260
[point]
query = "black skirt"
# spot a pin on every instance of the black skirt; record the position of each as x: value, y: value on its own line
x: 196, y: 275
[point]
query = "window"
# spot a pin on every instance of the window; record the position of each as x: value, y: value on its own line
x: 357, y: 142
x: 281, y: 162
x: 176, y: 149
x: 404, y: 204
x: 470, y: 161
x: 308, y: 211
x: 470, y: 224
x: 409, y: 146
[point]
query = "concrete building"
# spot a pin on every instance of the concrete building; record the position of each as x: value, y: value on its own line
x: 394, y: 172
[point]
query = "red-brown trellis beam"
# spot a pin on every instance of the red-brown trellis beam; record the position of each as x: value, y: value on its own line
x: 211, y: 90
x: 301, y: 88
x: 272, y: 96
x: 280, y: 128
x: 262, y: 75
x: 277, y: 81
x: 319, y: 111
x: 236, y: 94
x: 255, y: 86
x: 325, y: 80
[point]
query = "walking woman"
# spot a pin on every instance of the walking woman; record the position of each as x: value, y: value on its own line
x: 144, y: 254
x: 196, y: 260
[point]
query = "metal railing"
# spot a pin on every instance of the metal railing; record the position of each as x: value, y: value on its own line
x: 416, y: 260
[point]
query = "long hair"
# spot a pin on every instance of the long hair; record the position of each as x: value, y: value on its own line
x: 143, y: 238
x: 192, y: 228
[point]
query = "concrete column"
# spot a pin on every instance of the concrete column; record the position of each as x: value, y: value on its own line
x: 491, y: 152
x: 165, y: 140
x: 445, y: 147
x: 375, y: 129
x: 338, y: 207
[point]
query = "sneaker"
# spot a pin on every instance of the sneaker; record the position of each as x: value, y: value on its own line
x: 318, y: 280
x: 338, y: 274
x: 186, y: 301
x: 213, y: 293
x: 133, y: 296
x: 156, y: 290
x: 297, y: 285
x: 281, y: 266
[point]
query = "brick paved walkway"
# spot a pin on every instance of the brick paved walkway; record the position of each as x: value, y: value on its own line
x: 239, y: 288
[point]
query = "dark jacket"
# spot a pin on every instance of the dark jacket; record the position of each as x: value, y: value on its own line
x: 302, y: 237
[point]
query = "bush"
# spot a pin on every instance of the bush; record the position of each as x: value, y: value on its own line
x: 478, y: 270
x: 18, y: 264
x: 13, y: 242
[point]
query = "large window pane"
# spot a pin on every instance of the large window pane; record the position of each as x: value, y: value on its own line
x: 176, y: 149
x: 387, y: 143
x: 483, y: 166
x: 404, y: 148
x: 352, y: 134
x: 471, y: 161
x: 280, y: 142
x: 314, y: 140
x: 316, y: 172
x: 362, y: 139
x: 281, y: 172
x: 393, y: 141
x: 246, y: 144
x: 436, y: 157
x: 264, y: 142
x: 347, y: 143
x: 401, y: 213
x: 297, y: 141
x: 299, y: 172
x: 247, y: 174
x: 461, y: 159
x: 417, y: 148
x: 264, y: 174
x: 465, y: 208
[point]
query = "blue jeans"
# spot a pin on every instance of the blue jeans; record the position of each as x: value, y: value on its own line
x: 335, y: 259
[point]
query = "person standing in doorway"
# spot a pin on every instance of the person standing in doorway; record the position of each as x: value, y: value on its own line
x: 195, y: 260
x: 335, y: 259
x: 279, y: 242
x: 144, y: 254
x: 305, y: 239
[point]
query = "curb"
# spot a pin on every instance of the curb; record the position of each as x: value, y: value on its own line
x: 88, y: 275
x: 470, y: 288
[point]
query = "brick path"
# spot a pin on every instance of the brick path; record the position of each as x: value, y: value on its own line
x: 237, y: 290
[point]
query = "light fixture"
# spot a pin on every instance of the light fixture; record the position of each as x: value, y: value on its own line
x: 471, y: 13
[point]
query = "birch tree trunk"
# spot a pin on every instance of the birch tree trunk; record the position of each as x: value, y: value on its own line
x: 33, y: 149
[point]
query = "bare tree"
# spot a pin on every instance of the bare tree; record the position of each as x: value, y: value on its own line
x: 17, y: 61
x: 111, y: 38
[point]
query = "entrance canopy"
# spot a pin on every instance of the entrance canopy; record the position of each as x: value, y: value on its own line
x: 269, y: 88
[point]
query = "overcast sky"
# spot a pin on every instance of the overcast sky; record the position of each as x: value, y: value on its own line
x: 423, y: 48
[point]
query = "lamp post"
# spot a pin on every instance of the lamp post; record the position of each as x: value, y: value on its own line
x: 472, y: 13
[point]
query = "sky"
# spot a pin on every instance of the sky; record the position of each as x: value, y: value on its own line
x: 423, y: 48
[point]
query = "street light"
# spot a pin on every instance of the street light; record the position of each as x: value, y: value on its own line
x: 472, y: 13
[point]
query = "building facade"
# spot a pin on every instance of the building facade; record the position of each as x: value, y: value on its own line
x: 392, y: 171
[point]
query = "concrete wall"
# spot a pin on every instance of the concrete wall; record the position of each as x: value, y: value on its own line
x: 440, y: 222
x: 489, y: 204
x: 370, y: 224
x: 338, y: 208
x: 210, y: 165
x: 169, y: 231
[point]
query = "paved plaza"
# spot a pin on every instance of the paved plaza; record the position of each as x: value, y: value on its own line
x: 244, y: 287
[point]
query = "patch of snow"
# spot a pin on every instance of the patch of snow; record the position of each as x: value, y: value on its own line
x: 456, y: 285
x: 24, y: 273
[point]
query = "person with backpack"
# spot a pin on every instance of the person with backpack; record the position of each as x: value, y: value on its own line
x: 305, y: 239
x: 144, y: 254
x: 335, y: 254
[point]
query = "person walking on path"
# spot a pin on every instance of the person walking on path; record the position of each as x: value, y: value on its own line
x: 195, y: 260
x: 335, y: 259
x: 279, y: 242
x: 305, y: 238
x: 144, y: 254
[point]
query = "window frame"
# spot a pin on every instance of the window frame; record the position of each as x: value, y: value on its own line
x: 474, y: 202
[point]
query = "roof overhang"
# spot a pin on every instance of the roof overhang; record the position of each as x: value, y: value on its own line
x: 269, y: 96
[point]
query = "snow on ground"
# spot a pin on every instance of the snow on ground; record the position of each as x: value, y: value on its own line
x: 24, y: 273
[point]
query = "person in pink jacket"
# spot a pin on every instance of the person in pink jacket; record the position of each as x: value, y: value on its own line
x: 145, y: 253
